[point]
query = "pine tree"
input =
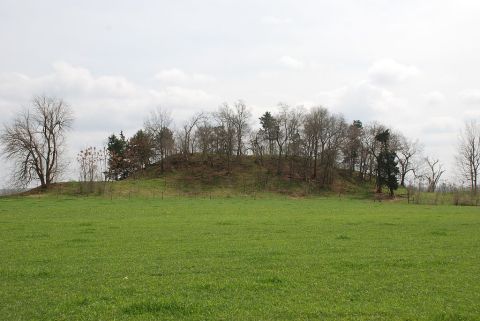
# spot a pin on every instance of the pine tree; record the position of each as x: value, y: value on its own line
x: 270, y: 128
x: 117, y: 164
x: 387, y: 169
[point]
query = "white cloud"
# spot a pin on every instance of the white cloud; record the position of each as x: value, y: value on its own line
x: 436, y: 43
x: 101, y: 104
x: 472, y: 113
x: 66, y: 80
x: 391, y: 72
x: 440, y: 125
x: 272, y: 20
x: 435, y: 98
x: 471, y: 96
x: 290, y: 62
x: 176, y: 77
x: 363, y: 101
x: 74, y: 80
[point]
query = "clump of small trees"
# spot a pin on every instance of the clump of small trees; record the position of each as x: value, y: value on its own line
x: 92, y: 168
x: 128, y: 157
x: 312, y: 145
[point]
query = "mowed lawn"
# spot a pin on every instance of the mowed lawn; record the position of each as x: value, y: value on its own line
x: 237, y: 259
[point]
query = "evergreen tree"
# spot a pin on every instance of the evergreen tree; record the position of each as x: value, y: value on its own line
x: 352, y: 145
x: 270, y: 128
x: 117, y: 163
x: 387, y: 169
x: 139, y: 150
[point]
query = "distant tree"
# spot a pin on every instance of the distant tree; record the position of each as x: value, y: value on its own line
x: 89, y: 163
x: 186, y: 137
x: 139, y: 150
x: 225, y: 132
x: 324, y: 135
x: 257, y: 145
x: 35, y: 141
x: 468, y: 154
x: 371, y: 148
x: 90, y: 167
x: 406, y: 155
x: 157, y: 126
x: 269, y: 130
x: 282, y: 132
x: 432, y: 173
x: 241, y: 118
x: 117, y: 161
x: 314, y: 131
x: 353, y: 144
x: 331, y: 141
x: 294, y: 144
x: 387, y: 169
x: 207, y: 140
x: 357, y: 124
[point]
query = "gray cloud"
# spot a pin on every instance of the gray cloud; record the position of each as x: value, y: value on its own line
x: 391, y: 72
x: 102, y: 104
x: 471, y: 96
x: 435, y: 98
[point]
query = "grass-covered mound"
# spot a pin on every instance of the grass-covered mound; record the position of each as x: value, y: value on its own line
x: 213, y: 178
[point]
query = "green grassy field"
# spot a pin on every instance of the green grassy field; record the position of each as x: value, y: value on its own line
x: 237, y: 259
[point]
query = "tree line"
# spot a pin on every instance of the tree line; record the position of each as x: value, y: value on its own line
x: 311, y: 144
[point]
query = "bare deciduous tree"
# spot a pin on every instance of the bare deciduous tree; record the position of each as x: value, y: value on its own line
x: 225, y: 118
x: 185, y: 135
x: 241, y: 119
x: 432, y: 173
x: 293, y: 148
x: 36, y: 139
x: 206, y: 139
x: 407, y: 150
x: 334, y: 138
x: 157, y: 125
x: 352, y: 146
x: 257, y: 146
x: 281, y: 132
x: 468, y: 157
x: 90, y: 165
x: 314, y: 130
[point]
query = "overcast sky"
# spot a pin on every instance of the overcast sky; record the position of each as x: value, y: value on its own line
x: 413, y: 65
